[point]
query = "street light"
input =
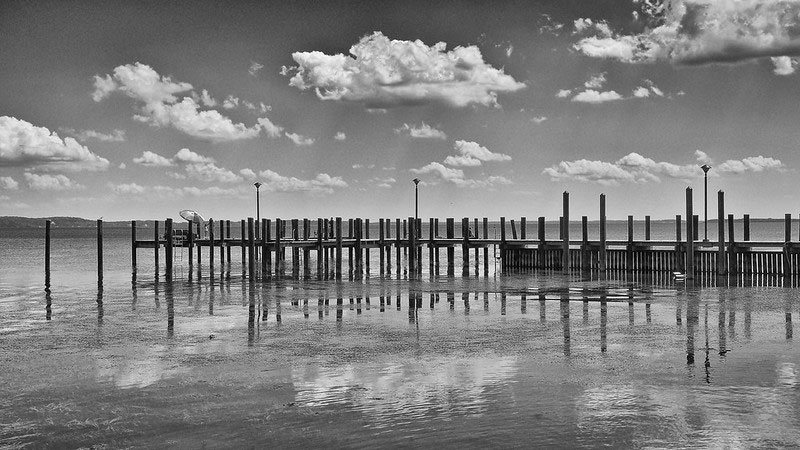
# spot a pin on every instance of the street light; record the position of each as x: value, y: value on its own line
x: 416, y: 198
x: 705, y: 168
x: 258, y: 207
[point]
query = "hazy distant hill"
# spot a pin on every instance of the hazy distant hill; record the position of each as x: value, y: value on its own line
x: 57, y: 222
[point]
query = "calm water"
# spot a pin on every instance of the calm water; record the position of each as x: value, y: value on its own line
x: 508, y: 360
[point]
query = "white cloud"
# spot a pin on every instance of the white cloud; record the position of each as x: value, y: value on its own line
x: 85, y: 135
x: 8, y: 183
x: 383, y: 182
x: 641, y: 92
x: 210, y: 172
x: 254, y: 68
x: 563, y: 93
x: 340, y: 136
x: 230, y: 102
x: 159, y: 106
x: 270, y: 128
x: 596, y: 81
x: 471, y: 154
x: 23, y: 144
x: 457, y: 177
x: 248, y: 174
x: 187, y: 156
x: 583, y: 25
x: 636, y: 168
x: 151, y: 159
x: 705, y: 31
x: 422, y: 131
x: 207, y: 100
x: 49, y: 182
x: 382, y: 73
x: 300, y: 140
x: 128, y: 189
x: 539, y: 119
x: 596, y: 97
x: 784, y: 65
x: 321, y: 184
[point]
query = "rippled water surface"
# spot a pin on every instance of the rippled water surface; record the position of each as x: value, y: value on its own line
x: 506, y: 360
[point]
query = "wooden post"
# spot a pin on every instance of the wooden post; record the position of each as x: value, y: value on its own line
x: 746, y: 257
x: 412, y: 248
x: 486, y: 249
x: 522, y: 231
x: 199, y: 247
x: 222, y: 242
x: 320, y: 250
x: 366, y: 249
x: 679, y: 254
x: 388, y: 246
x: 47, y: 224
x: 502, y: 231
x: 431, y: 247
x: 278, y: 248
x: 399, y: 246
x: 465, y: 247
x: 450, y: 249
x: 264, y: 248
x: 721, y: 263
x: 157, y: 239
x: 513, y: 230
x: 211, y: 246
x: 359, y: 261
x: 99, y: 251
x: 133, y: 244
x: 267, y: 253
x: 646, y: 228
x: 251, y: 250
x: 168, y: 248
x: 585, y: 255
x: 695, y: 227
x: 629, y: 248
x: 338, y: 248
x: 190, y: 239
x: 542, y: 262
x: 690, y: 232
x: 228, y: 236
x: 603, y: 232
x: 565, y: 240
x: 381, y: 243
x: 732, y: 263
x: 787, y: 245
x: 243, y: 244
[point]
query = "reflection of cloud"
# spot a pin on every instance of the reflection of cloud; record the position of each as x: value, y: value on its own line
x: 448, y: 387
x: 147, y: 368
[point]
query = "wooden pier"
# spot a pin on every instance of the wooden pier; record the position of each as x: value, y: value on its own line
x: 306, y: 248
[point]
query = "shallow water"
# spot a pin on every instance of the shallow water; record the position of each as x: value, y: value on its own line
x: 509, y: 360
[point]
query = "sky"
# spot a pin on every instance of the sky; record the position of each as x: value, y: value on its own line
x: 137, y: 110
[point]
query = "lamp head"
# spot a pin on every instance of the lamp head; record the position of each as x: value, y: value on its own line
x: 257, y: 184
x: 705, y: 168
x: 416, y: 181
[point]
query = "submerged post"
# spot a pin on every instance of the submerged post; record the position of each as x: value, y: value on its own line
x: 689, y: 235
x: 565, y: 241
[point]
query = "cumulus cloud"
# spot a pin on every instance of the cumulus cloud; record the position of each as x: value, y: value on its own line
x: 85, y: 135
x: 422, y: 131
x: 24, y: 144
x: 128, y: 189
x: 45, y: 182
x: 8, y: 183
x: 340, y: 136
x: 538, y: 119
x: 595, y: 81
x: 595, y: 97
x: 151, y: 159
x: 636, y: 168
x: 471, y: 154
x: 158, y: 104
x: 300, y: 140
x: 270, y: 128
x: 703, y: 32
x: 563, y: 93
x: 383, y: 73
x: 321, y: 184
x: 230, y: 102
x: 254, y: 68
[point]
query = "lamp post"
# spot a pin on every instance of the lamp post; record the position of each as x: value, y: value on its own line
x: 705, y: 168
x: 258, y: 207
